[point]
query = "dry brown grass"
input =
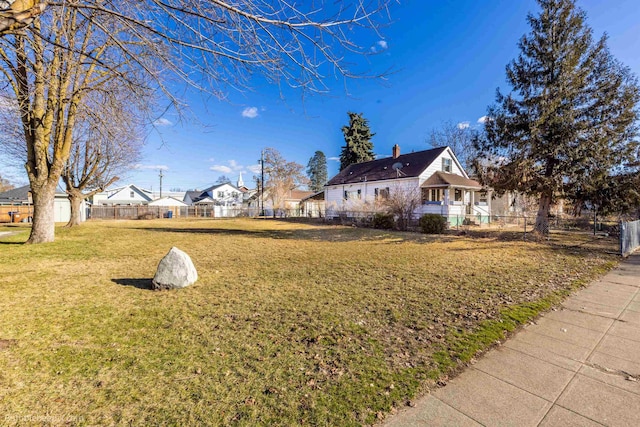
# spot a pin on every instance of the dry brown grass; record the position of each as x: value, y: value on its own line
x: 288, y: 324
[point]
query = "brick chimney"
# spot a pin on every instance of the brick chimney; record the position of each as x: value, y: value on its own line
x: 396, y: 151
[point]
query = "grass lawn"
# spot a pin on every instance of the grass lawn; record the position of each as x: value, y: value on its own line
x: 288, y: 323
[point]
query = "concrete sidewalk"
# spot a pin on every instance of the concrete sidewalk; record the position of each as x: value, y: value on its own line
x: 578, y: 366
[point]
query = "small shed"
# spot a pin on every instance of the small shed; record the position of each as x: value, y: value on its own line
x: 169, y: 206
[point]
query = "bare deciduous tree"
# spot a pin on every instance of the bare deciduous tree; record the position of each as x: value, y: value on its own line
x: 402, y: 202
x: 281, y: 177
x: 5, y: 185
x: 107, y: 140
x: 50, y: 71
x: 53, y: 58
x: 459, y: 137
x: 17, y: 14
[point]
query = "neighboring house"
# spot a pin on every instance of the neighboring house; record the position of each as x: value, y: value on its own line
x: 313, y: 205
x: 191, y: 196
x: 127, y: 195
x: 170, y: 206
x: 168, y: 202
x: 219, y: 195
x: 179, y: 195
x: 290, y: 203
x: 19, y: 200
x: 435, y: 176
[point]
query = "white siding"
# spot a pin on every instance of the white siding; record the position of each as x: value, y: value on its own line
x: 62, y: 210
x: 334, y: 195
x: 167, y: 201
x: 436, y: 165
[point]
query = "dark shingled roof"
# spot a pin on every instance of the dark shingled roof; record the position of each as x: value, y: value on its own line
x: 193, y: 195
x: 413, y: 164
x: 20, y: 194
x: 443, y: 179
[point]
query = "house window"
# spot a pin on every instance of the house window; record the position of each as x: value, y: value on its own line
x: 381, y: 193
x: 457, y: 195
x: 132, y: 194
x: 432, y: 195
x: 356, y: 194
x: 483, y: 197
x: 220, y: 193
x: 446, y: 165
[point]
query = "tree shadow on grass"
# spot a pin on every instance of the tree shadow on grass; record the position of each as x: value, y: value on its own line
x: 330, y: 234
x: 136, y: 283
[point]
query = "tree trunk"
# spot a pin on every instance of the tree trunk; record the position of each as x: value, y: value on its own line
x: 43, y: 227
x: 75, y: 200
x: 542, y: 219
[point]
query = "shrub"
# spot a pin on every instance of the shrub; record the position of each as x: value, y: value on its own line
x: 432, y: 224
x: 383, y: 221
x: 147, y: 215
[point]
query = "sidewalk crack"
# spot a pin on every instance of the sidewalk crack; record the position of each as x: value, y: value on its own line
x: 619, y: 372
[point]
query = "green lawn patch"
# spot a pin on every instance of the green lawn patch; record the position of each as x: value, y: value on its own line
x: 288, y: 323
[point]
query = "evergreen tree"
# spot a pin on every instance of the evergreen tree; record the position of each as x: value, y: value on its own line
x: 358, y: 147
x: 570, y: 119
x: 317, y: 171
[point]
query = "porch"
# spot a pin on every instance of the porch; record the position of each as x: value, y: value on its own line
x: 455, y: 197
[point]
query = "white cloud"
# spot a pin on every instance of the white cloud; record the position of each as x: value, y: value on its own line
x: 250, y: 112
x: 221, y: 168
x: 231, y: 166
x: 235, y: 166
x: 211, y: 159
x: 254, y: 168
x: 379, y: 46
x: 335, y: 159
x: 163, y: 122
x: 157, y: 167
x: 482, y: 119
x: 463, y: 125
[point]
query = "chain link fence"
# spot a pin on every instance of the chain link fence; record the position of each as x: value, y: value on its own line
x: 629, y: 237
x: 628, y: 232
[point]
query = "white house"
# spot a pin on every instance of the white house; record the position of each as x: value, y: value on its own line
x: 436, y: 175
x: 127, y: 195
x: 168, y: 202
x: 219, y: 195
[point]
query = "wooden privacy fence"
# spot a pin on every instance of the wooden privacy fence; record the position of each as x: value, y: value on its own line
x: 151, y: 212
x: 629, y: 237
x: 17, y: 213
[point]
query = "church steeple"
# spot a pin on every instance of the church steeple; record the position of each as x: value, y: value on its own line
x: 240, y: 181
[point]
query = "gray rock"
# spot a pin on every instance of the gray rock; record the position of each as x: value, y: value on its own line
x: 176, y: 270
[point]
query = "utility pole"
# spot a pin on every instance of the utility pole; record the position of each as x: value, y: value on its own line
x: 161, y: 183
x: 262, y: 183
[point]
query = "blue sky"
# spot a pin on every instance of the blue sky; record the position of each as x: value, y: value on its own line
x: 448, y: 58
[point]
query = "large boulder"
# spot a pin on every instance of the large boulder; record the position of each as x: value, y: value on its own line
x: 176, y: 270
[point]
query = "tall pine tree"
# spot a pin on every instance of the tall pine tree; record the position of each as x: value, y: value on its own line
x: 317, y: 171
x: 358, y: 147
x: 570, y: 118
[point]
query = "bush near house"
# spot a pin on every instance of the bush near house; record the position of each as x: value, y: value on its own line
x: 433, y: 224
x: 383, y: 221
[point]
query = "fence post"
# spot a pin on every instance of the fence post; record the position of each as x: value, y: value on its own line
x: 525, y: 227
x: 620, y: 227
